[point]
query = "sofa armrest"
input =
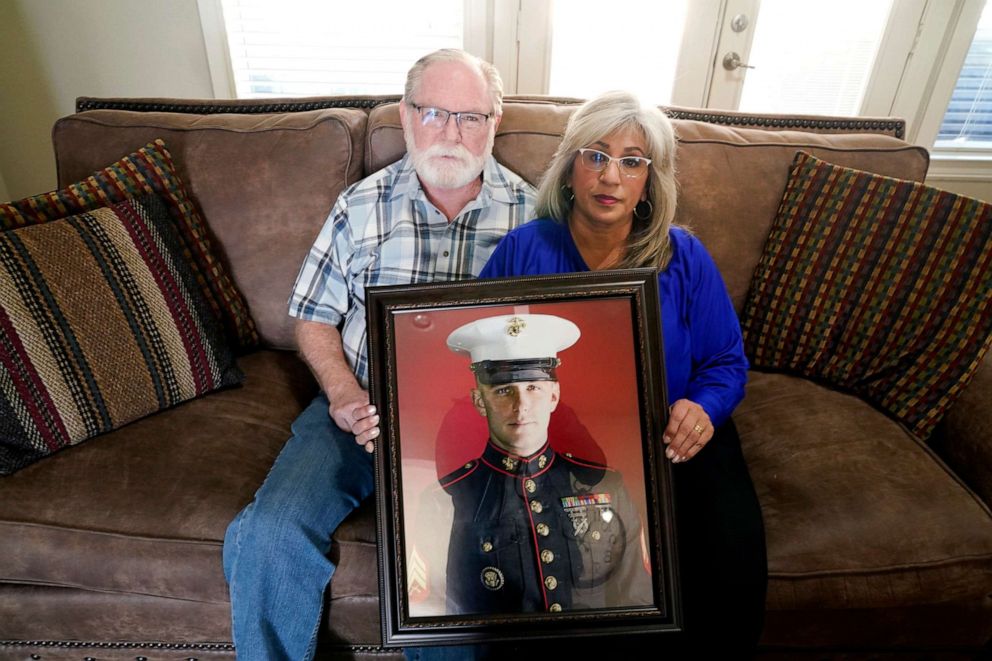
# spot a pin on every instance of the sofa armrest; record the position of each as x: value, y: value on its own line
x: 964, y: 437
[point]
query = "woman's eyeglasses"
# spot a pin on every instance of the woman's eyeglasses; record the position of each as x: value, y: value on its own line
x: 630, y: 166
x: 437, y: 118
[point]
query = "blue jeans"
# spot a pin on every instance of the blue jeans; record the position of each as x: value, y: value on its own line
x: 275, y: 550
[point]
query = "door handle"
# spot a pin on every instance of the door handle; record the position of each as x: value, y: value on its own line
x: 732, y: 61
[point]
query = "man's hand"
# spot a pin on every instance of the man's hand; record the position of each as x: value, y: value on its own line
x: 321, y: 347
x: 689, y: 430
x: 354, y: 414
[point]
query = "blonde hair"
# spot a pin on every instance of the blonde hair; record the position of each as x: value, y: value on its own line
x: 647, y: 244
x: 488, y: 72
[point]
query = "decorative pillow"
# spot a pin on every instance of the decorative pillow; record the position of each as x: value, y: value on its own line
x: 148, y: 170
x: 876, y: 285
x: 101, y: 323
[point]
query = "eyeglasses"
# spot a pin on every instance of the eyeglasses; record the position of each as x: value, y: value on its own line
x: 437, y: 118
x: 630, y: 166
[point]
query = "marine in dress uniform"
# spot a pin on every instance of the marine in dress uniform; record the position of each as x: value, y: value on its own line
x: 531, y: 529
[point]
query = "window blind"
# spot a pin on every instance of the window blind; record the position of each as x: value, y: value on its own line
x: 314, y: 47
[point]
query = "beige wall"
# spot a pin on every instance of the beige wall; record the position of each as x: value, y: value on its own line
x: 52, y: 51
x: 979, y: 188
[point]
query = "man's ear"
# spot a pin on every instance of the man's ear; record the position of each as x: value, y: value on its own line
x: 496, y: 120
x: 555, y: 395
x: 477, y: 402
x: 403, y: 114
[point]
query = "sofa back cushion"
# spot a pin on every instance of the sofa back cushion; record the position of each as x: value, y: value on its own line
x: 265, y: 184
x: 730, y: 179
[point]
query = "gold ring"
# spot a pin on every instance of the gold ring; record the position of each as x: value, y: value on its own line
x: 698, y: 429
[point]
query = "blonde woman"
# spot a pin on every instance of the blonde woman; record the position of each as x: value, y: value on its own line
x: 607, y: 201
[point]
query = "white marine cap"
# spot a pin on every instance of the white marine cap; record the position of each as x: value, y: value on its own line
x: 514, y: 347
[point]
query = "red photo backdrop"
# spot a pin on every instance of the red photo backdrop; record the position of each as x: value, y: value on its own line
x: 597, y: 418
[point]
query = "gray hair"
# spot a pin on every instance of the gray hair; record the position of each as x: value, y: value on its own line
x: 488, y: 72
x: 648, y: 243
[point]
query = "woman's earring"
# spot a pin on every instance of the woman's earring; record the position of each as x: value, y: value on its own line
x: 644, y: 210
x: 569, y: 193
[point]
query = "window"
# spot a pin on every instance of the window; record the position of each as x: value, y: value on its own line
x: 313, y: 47
x: 968, y: 120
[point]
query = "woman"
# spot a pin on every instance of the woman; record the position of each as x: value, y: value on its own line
x: 607, y: 201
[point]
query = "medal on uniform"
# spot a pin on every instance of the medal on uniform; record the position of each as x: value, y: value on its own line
x: 492, y: 578
x: 577, y: 509
x: 580, y: 521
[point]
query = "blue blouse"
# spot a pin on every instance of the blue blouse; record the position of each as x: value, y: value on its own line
x: 704, y: 352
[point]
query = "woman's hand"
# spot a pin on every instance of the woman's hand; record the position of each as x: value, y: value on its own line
x: 689, y: 430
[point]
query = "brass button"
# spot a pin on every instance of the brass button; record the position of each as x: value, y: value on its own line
x: 555, y: 608
x: 536, y: 506
x: 487, y: 546
x: 547, y: 556
x: 596, y: 535
x: 551, y: 582
x: 468, y: 465
x: 543, y: 530
x: 530, y: 485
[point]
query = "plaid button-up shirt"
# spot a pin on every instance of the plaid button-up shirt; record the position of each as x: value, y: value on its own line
x: 384, y: 231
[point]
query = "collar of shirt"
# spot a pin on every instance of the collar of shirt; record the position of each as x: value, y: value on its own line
x: 511, y: 464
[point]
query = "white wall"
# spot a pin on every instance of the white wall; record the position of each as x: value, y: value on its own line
x: 52, y: 51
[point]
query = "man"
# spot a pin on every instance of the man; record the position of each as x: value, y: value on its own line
x: 528, y: 529
x: 436, y: 214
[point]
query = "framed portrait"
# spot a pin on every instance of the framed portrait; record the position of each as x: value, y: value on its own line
x: 521, y: 484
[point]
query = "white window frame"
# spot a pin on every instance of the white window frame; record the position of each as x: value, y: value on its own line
x: 218, y: 53
x: 931, y: 73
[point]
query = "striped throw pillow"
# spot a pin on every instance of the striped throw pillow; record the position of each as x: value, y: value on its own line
x: 880, y: 286
x: 101, y: 323
x: 148, y: 170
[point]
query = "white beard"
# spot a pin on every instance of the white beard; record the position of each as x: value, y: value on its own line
x: 451, y: 166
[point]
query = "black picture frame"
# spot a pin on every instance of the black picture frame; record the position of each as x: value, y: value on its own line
x: 410, y: 379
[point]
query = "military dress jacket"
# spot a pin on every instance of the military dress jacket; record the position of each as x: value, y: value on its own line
x: 550, y: 532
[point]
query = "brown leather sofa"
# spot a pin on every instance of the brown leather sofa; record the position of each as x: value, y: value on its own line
x: 112, y: 549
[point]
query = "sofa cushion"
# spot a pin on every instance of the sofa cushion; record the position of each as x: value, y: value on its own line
x: 144, y: 511
x: 858, y: 513
x: 101, y: 323
x: 148, y: 170
x: 877, y: 285
x: 265, y: 184
x: 730, y: 179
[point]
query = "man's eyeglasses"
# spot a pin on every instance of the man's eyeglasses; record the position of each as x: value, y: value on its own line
x: 437, y: 118
x: 630, y: 166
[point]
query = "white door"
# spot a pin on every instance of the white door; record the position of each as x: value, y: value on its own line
x: 809, y: 56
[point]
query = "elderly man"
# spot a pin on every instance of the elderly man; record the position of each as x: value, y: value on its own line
x: 436, y: 214
x: 528, y: 529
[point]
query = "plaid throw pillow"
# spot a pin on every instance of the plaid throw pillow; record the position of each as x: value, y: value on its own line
x: 148, y: 170
x: 101, y: 323
x: 876, y: 285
